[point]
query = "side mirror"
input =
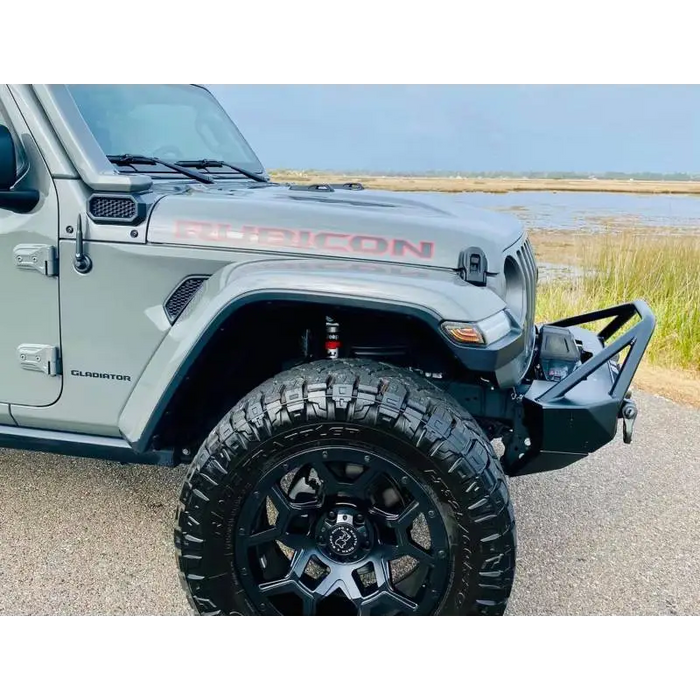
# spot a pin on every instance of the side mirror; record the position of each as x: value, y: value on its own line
x: 8, y: 159
x: 19, y: 201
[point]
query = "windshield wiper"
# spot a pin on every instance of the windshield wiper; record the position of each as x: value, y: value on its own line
x: 130, y: 159
x: 207, y: 163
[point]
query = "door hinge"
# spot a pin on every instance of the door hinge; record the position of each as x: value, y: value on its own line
x: 39, y: 358
x: 38, y: 257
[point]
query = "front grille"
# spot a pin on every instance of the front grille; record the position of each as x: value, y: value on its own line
x: 182, y: 296
x: 528, y: 267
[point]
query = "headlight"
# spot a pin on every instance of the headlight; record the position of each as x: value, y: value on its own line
x: 483, y: 332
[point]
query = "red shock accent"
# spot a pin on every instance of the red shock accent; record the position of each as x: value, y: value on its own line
x: 332, y: 339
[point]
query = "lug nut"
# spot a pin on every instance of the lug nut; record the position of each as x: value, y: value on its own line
x: 332, y: 515
x: 365, y: 544
x: 359, y: 518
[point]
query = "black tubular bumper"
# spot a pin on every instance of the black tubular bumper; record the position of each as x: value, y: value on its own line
x: 569, y: 419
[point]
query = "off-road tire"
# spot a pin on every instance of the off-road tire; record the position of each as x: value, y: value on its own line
x: 375, y: 402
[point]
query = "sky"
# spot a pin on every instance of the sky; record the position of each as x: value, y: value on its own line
x: 471, y: 128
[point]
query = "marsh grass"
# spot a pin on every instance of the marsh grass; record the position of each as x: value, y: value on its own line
x: 664, y: 271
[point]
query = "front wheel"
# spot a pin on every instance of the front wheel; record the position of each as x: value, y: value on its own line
x: 346, y: 487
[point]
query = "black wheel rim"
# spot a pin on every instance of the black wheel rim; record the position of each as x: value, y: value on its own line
x: 341, y: 530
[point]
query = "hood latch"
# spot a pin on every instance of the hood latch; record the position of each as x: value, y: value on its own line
x: 472, y: 266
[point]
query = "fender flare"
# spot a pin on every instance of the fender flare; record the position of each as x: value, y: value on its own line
x: 443, y: 297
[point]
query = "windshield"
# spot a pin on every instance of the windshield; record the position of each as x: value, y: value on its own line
x: 173, y: 122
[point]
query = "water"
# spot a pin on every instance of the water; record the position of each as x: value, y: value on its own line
x: 595, y: 211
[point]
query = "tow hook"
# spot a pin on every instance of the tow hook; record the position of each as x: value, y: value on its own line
x: 628, y: 413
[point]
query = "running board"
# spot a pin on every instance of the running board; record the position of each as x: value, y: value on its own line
x: 79, y: 445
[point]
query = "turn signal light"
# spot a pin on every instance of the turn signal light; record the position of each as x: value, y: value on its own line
x: 463, y: 333
x: 484, y: 332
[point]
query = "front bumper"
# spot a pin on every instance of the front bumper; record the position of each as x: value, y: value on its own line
x: 567, y: 420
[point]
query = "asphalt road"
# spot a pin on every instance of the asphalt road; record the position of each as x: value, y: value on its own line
x: 618, y: 533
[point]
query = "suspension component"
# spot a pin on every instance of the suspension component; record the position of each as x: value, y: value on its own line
x: 332, y: 338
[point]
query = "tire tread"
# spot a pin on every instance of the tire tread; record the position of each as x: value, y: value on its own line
x: 355, y: 391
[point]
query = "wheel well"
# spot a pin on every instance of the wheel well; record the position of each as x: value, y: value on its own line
x: 267, y: 337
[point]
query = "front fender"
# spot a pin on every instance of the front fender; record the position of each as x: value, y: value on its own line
x: 432, y: 296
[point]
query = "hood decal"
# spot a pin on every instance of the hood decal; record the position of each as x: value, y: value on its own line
x: 415, y: 231
x: 251, y: 236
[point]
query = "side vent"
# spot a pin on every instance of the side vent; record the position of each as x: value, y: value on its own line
x: 116, y: 209
x: 181, y: 296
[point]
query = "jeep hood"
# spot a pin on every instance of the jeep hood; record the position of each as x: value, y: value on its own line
x: 417, y: 229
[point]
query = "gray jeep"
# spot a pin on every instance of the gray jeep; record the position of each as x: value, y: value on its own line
x: 333, y: 364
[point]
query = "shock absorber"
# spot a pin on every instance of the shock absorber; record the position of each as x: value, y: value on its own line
x: 332, y: 338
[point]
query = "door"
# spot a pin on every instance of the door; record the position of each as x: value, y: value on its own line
x: 30, y: 371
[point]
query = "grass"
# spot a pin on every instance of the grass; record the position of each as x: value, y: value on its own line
x: 428, y: 183
x: 663, y: 271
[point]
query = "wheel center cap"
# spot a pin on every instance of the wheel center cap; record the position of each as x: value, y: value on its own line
x: 343, y: 540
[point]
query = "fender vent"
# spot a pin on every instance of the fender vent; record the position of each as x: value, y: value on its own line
x: 116, y: 209
x: 182, y: 296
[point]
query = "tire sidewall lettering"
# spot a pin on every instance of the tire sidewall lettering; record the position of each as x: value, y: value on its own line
x: 279, y: 419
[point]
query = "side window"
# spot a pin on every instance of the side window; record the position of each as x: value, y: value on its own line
x: 22, y: 162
